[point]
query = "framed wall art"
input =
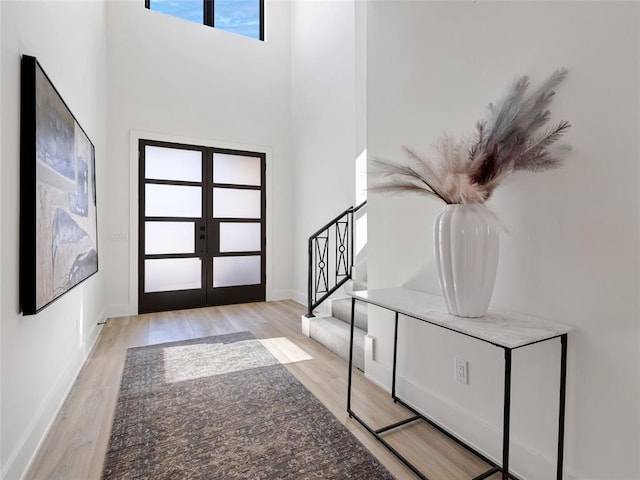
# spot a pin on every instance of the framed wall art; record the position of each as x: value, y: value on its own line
x: 58, y: 218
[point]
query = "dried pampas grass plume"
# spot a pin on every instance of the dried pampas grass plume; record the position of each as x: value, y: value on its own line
x: 515, y: 136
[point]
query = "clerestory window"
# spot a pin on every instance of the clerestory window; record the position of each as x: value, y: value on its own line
x: 243, y: 17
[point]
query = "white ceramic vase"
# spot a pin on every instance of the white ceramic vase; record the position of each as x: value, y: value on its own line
x: 466, y: 244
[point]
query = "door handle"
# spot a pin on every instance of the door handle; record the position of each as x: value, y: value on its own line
x: 202, y: 238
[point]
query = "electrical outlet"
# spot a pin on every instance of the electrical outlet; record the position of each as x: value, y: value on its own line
x: 461, y: 370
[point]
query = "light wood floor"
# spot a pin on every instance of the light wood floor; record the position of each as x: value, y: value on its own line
x: 76, y: 444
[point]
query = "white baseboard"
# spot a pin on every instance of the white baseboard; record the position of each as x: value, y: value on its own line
x: 275, y: 295
x: 526, y: 462
x: 299, y: 297
x: 127, y: 310
x: 29, y: 444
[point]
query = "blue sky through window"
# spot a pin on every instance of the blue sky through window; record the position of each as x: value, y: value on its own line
x: 188, y: 9
x: 237, y: 16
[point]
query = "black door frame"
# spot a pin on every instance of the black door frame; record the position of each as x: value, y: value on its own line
x: 206, y: 236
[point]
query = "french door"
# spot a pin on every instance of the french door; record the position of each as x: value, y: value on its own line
x: 202, y: 226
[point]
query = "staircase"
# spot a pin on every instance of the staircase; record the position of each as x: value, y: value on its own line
x: 330, y: 277
x: 334, y: 331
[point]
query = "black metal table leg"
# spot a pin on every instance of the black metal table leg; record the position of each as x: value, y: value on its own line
x: 495, y: 468
x: 395, y: 359
x: 507, y: 414
x: 353, y: 309
x: 563, y: 387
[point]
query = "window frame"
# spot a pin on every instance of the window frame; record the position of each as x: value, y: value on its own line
x: 208, y: 15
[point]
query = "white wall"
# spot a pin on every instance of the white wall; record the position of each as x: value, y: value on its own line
x: 1, y: 243
x: 571, y: 248
x: 179, y: 80
x: 42, y: 354
x: 327, y: 112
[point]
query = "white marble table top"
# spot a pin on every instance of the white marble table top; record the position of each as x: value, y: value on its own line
x: 504, y: 329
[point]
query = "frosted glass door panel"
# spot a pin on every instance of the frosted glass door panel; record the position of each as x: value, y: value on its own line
x: 236, y: 169
x: 235, y: 271
x: 240, y: 237
x: 162, y: 275
x: 236, y: 203
x: 201, y: 225
x: 172, y: 164
x: 172, y: 201
x: 169, y: 237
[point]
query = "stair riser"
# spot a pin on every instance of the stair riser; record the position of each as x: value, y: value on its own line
x: 341, y: 309
x: 334, y: 335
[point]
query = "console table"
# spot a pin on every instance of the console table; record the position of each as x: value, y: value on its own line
x: 508, y: 331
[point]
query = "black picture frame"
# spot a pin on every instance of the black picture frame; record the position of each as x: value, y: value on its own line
x: 58, y: 211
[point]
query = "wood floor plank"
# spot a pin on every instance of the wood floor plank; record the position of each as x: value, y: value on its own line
x: 76, y: 444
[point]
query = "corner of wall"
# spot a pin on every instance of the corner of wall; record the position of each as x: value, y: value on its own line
x: 36, y: 432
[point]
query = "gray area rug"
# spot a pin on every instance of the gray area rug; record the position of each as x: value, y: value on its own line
x: 224, y: 408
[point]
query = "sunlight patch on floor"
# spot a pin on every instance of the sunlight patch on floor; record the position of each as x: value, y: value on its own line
x: 189, y: 362
x: 285, y: 350
x: 200, y: 360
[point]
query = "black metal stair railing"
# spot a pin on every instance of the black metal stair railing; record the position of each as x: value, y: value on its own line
x: 331, y: 257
